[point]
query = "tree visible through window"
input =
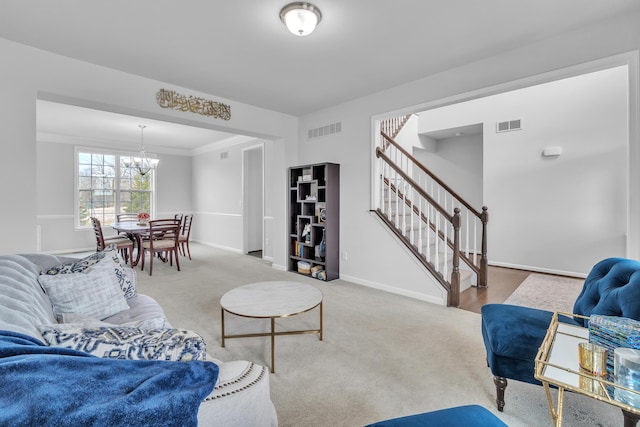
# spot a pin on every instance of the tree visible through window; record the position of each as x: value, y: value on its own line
x: 109, y: 184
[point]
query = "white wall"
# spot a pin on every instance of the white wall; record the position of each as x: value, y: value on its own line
x: 372, y: 256
x: 565, y: 213
x: 558, y: 214
x: 217, y: 197
x: 458, y: 162
x: 29, y: 73
x: 455, y: 160
x: 55, y: 202
x: 173, y: 186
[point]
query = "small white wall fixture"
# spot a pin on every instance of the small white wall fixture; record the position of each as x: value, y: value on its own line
x: 552, y: 152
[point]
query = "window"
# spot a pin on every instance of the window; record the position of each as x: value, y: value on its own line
x: 108, y: 184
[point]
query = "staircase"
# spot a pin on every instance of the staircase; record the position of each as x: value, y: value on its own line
x: 445, y: 233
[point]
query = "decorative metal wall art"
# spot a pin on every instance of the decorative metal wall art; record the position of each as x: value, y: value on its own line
x: 176, y: 101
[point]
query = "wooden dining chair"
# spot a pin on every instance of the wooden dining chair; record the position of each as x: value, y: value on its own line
x: 125, y: 217
x: 185, y: 235
x: 123, y: 244
x: 162, y: 240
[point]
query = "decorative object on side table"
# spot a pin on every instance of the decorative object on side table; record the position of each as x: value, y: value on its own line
x: 612, y: 332
x: 143, y: 218
x: 592, y: 358
x: 627, y: 374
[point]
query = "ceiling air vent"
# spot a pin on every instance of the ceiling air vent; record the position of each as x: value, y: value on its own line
x: 509, y: 125
x: 329, y: 129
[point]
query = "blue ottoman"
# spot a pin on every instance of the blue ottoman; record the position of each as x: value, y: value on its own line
x: 461, y: 416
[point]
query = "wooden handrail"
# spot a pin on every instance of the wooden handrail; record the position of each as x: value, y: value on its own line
x: 414, y: 184
x: 477, y: 262
x: 433, y: 176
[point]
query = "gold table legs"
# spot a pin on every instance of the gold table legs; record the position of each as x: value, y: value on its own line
x: 556, y: 415
x: 272, y: 333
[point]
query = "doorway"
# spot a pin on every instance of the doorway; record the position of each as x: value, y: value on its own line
x: 253, y: 200
x: 596, y: 142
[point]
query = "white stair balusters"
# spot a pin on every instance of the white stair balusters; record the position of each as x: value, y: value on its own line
x: 434, y: 212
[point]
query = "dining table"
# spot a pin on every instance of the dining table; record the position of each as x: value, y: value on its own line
x: 134, y: 231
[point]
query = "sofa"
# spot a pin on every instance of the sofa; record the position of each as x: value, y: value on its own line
x: 52, y: 309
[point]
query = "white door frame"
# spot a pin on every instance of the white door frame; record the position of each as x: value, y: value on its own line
x: 630, y: 59
x: 247, y: 193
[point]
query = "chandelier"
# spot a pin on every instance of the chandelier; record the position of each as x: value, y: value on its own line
x: 143, y: 163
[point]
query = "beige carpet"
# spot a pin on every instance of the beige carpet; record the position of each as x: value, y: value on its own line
x: 547, y: 292
x: 383, y: 355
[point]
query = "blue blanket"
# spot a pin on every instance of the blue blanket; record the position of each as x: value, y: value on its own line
x: 42, y: 385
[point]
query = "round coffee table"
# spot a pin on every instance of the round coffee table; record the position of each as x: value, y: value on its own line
x: 271, y: 300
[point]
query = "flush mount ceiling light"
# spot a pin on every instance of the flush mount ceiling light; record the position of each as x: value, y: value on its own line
x: 300, y: 18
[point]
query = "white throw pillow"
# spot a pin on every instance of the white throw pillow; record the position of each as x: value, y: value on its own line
x: 96, y: 292
x: 117, y: 342
x: 127, y: 282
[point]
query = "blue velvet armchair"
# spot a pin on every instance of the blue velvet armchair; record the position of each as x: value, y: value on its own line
x: 513, y: 334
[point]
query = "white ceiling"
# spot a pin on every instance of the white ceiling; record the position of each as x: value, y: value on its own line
x: 240, y: 50
x: 71, y: 124
x: 439, y: 135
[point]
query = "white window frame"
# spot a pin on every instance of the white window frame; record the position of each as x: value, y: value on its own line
x: 106, y: 152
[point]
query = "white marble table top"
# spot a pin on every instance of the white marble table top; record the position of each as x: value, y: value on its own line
x: 271, y: 299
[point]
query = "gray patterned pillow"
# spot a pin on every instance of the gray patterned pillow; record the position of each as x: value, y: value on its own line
x: 127, y: 284
x: 95, y: 293
x: 116, y: 342
x: 75, y: 266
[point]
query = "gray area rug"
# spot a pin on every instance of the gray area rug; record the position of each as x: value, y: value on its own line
x: 383, y: 355
x: 547, y: 292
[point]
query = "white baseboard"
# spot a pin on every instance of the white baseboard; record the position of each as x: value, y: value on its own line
x: 278, y: 266
x: 391, y: 289
x: 213, y: 245
x: 70, y: 251
x: 539, y: 270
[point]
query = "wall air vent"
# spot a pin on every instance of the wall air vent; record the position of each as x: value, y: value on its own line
x: 329, y: 129
x: 509, y: 125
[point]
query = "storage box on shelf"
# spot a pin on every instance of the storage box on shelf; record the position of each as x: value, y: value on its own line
x: 314, y: 215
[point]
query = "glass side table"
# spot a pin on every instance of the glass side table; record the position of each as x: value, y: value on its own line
x: 557, y: 365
